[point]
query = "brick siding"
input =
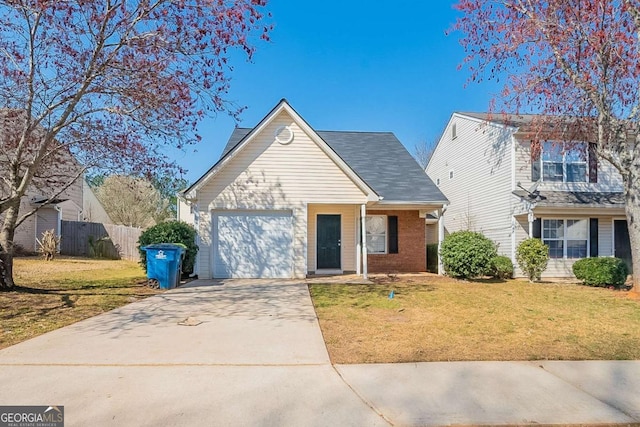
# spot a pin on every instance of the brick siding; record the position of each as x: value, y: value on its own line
x: 411, y: 256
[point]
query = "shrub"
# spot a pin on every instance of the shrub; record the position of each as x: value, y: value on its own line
x: 171, y: 232
x: 48, y: 246
x: 502, y: 267
x: 602, y: 271
x: 467, y: 254
x: 532, y: 256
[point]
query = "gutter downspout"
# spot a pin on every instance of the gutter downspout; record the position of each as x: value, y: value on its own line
x: 363, y: 215
x: 196, y: 225
x: 59, y: 210
x: 440, y: 237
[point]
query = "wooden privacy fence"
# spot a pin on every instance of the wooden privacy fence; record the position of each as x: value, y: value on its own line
x: 93, y: 239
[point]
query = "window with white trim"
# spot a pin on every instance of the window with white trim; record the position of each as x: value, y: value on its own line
x: 561, y: 163
x: 376, y: 232
x: 566, y: 238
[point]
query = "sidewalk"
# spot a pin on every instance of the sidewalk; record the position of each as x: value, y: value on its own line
x: 500, y: 393
x: 258, y: 359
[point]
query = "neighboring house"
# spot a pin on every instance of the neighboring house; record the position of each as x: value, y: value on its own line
x: 76, y: 203
x: 285, y: 200
x: 568, y: 198
x: 67, y: 206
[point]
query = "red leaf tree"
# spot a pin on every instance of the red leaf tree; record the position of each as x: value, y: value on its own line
x: 107, y: 84
x: 577, y: 63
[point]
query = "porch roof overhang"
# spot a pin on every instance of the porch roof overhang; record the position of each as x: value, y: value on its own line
x: 574, y: 203
x: 42, y: 201
x: 424, y: 208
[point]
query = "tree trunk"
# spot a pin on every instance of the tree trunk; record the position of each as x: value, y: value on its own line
x: 632, y: 208
x: 7, y: 232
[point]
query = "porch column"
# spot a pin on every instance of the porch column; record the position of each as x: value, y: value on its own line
x: 363, y: 233
x: 358, y: 246
x: 440, y: 239
x: 531, y: 218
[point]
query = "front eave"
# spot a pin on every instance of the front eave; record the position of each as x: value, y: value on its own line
x: 283, y: 105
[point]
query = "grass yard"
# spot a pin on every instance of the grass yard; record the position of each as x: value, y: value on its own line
x: 434, y: 318
x: 57, y: 293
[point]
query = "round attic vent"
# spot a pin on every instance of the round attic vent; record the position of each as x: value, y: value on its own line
x: 284, y: 135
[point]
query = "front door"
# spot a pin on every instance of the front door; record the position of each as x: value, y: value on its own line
x: 622, y: 244
x: 328, y: 234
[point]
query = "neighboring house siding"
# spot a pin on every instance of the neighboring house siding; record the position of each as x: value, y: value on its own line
x: 268, y: 175
x: 411, y: 254
x: 349, y: 214
x: 72, y: 208
x: 26, y: 232
x: 47, y: 219
x: 479, y: 193
x: 184, y: 212
x: 92, y: 209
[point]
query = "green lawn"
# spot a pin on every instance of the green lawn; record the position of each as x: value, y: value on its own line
x: 433, y: 318
x: 52, y: 294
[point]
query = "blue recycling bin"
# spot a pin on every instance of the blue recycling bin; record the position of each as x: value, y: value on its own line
x: 164, y: 262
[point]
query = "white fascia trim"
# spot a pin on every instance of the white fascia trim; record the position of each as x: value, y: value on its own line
x: 477, y: 120
x: 371, y: 195
x: 438, y: 204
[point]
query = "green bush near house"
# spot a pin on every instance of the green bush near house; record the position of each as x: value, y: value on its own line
x: 532, y: 256
x: 601, y: 271
x: 177, y: 232
x: 467, y: 254
x: 502, y: 267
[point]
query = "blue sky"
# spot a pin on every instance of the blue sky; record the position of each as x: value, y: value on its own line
x: 351, y: 65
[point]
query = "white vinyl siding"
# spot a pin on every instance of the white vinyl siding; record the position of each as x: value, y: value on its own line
x: 480, y: 192
x: 272, y: 176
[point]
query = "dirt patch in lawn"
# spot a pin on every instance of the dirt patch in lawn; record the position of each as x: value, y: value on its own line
x: 433, y: 318
x: 57, y: 293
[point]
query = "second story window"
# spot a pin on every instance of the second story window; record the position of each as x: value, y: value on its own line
x: 562, y: 163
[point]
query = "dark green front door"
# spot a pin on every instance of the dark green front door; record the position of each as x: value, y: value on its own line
x: 622, y: 243
x: 328, y: 233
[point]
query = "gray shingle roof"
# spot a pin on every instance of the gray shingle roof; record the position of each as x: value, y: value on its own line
x: 379, y: 159
x: 576, y: 199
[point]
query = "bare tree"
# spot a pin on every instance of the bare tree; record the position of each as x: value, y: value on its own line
x: 107, y: 84
x: 132, y: 201
x: 423, y: 151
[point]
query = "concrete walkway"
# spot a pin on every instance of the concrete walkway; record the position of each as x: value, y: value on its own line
x: 256, y: 357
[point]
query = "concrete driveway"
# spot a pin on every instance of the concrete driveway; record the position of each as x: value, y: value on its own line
x: 257, y: 358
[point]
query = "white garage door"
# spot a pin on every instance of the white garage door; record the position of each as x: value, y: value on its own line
x: 252, y: 244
